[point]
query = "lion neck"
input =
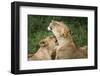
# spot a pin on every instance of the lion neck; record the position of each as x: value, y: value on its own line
x: 64, y: 40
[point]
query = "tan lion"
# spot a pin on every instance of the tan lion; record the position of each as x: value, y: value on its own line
x: 46, y: 50
x: 66, y: 48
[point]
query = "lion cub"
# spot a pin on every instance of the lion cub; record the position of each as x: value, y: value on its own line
x: 46, y: 50
x: 66, y: 48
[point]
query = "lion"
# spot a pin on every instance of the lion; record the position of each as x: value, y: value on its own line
x: 66, y: 48
x: 46, y: 50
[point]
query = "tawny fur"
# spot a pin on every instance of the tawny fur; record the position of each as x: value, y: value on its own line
x: 47, y: 47
x: 66, y: 48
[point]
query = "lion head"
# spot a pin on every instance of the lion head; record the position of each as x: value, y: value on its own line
x: 49, y: 42
x: 46, y: 50
x: 59, y: 29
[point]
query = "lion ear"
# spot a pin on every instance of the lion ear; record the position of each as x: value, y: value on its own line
x: 66, y: 33
x: 52, y: 21
x: 42, y: 43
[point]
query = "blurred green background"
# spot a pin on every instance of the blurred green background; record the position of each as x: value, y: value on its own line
x: 37, y: 29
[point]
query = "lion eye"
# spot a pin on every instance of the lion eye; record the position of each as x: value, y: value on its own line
x: 42, y: 42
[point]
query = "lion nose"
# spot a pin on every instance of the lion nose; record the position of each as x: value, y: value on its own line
x: 49, y: 28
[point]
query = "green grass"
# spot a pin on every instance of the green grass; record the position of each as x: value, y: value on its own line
x: 37, y: 29
x: 33, y: 42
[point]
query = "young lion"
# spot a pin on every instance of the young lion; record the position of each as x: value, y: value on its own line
x: 46, y: 50
x: 66, y: 48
